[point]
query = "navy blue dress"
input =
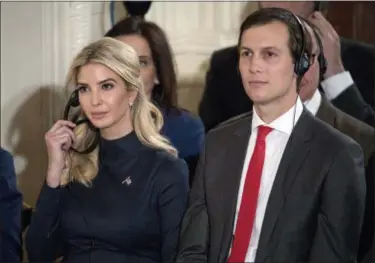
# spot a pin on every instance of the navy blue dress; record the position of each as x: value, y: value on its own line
x: 132, y: 212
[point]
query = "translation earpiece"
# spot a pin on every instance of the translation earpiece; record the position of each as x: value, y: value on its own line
x: 72, y: 102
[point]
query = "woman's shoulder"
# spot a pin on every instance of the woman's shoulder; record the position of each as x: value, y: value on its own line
x: 169, y: 162
x: 184, y: 117
x: 185, y: 131
x: 171, y: 168
x: 4, y: 154
x: 6, y: 159
x: 183, y: 123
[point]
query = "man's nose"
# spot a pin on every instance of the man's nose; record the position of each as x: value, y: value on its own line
x: 255, y: 64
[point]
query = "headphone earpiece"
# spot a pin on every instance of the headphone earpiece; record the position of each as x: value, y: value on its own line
x: 302, y: 65
x: 322, y: 65
x: 74, y: 100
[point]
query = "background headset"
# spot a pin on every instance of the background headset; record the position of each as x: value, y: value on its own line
x: 302, y: 63
x: 74, y: 102
x: 321, y: 58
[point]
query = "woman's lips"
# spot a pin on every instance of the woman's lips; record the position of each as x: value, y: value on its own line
x: 98, y: 115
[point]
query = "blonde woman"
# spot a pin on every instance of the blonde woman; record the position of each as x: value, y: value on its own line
x: 124, y: 200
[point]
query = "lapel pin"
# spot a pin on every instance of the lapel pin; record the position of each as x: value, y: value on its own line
x: 128, y: 181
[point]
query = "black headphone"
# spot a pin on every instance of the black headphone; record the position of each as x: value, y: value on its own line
x: 74, y: 102
x: 302, y: 63
x: 323, y: 64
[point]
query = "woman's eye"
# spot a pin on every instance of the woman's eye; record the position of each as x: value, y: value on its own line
x: 143, y: 63
x: 107, y: 86
x: 82, y: 89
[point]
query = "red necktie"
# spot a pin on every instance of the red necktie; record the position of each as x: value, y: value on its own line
x: 250, y: 192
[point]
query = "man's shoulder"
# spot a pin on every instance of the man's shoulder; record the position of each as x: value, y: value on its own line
x: 359, y: 48
x: 361, y: 132
x: 347, y: 121
x: 331, y: 139
x: 231, y: 125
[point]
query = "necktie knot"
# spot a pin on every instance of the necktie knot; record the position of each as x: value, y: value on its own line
x: 263, y: 131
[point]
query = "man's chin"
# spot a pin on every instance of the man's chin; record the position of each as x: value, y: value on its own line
x: 258, y: 98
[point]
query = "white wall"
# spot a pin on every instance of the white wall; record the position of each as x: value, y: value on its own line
x: 195, y: 30
x: 38, y: 40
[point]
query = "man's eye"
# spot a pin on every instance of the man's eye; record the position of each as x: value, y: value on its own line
x: 245, y: 53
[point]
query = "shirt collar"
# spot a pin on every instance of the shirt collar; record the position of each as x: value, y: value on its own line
x: 313, y: 104
x: 284, y: 123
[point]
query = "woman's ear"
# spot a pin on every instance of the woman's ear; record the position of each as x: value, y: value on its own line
x: 132, y: 97
x: 156, y: 81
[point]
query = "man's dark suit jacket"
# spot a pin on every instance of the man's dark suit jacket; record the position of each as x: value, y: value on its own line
x: 10, y: 211
x: 364, y: 135
x: 316, y: 206
x: 224, y: 96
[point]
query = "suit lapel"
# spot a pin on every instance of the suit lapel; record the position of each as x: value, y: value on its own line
x: 294, y: 155
x: 229, y: 185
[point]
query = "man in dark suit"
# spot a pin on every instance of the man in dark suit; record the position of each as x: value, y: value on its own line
x: 10, y: 211
x: 346, y: 78
x: 362, y: 133
x: 275, y: 185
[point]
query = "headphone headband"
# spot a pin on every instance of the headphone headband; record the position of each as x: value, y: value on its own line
x: 321, y: 58
x: 302, y: 63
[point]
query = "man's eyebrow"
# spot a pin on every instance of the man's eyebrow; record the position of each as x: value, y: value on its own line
x: 262, y: 48
x: 244, y: 48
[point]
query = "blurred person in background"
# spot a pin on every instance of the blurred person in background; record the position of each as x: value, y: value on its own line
x: 359, y: 131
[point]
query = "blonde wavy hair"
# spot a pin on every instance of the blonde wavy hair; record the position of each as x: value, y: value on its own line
x: 146, y: 118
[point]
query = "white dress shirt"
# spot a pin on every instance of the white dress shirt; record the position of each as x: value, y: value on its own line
x: 275, y: 145
x: 336, y: 84
x: 313, y: 104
